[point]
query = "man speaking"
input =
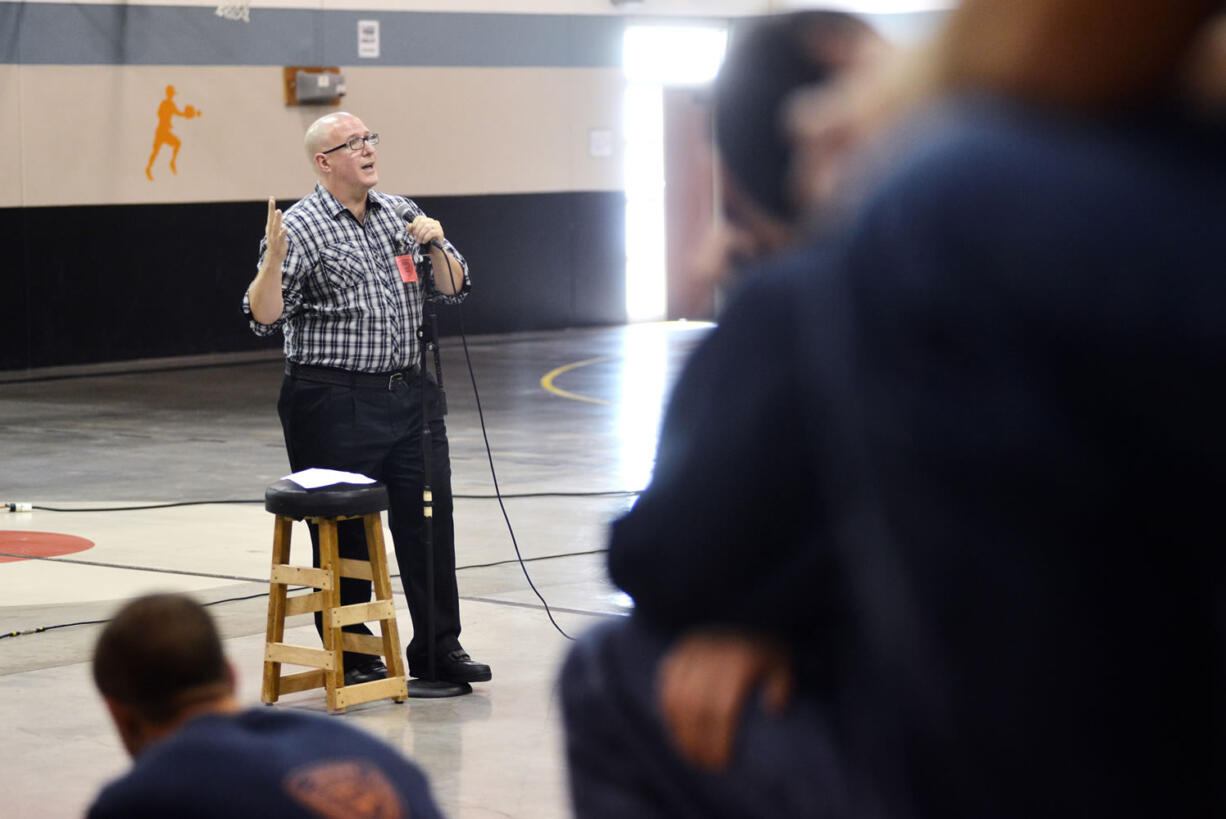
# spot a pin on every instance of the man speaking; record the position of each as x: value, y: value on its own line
x: 338, y: 275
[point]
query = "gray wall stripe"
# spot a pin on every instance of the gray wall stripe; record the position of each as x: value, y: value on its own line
x: 90, y: 34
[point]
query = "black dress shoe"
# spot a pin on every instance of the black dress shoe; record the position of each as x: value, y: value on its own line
x: 454, y: 666
x: 366, y: 673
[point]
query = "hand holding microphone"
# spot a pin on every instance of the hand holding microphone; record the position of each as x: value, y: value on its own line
x: 426, y: 231
x: 422, y: 229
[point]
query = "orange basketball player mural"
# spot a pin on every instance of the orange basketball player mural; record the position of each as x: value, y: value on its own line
x: 163, y: 136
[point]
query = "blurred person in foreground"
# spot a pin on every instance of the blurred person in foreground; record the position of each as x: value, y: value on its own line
x: 770, y: 65
x: 933, y: 529
x: 170, y: 691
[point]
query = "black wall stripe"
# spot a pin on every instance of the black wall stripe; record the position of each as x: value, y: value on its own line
x: 89, y: 284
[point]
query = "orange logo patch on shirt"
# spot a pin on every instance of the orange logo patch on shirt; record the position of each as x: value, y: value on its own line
x: 346, y: 790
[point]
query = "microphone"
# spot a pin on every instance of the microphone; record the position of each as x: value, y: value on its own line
x: 406, y: 213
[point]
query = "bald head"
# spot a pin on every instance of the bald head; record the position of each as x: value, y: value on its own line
x: 322, y: 134
x: 347, y: 173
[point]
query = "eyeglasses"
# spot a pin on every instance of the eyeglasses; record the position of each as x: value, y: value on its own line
x: 355, y: 143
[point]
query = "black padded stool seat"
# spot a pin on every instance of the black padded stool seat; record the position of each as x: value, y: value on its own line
x: 288, y: 499
x: 325, y: 506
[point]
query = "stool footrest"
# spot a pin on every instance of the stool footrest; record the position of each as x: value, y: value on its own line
x: 300, y: 655
x: 362, y: 643
x: 304, y: 604
x: 303, y: 681
x: 355, y: 568
x: 394, y: 687
x: 363, y: 613
x: 301, y: 576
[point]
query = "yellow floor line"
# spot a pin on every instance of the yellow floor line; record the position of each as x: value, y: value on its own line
x: 547, y: 380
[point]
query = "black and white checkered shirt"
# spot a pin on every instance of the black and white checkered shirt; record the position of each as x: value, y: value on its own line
x: 345, y: 303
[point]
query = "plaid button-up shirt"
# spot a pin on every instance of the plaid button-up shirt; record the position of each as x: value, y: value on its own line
x: 345, y: 303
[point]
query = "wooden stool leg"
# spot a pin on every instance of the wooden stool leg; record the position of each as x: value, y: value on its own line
x: 383, y: 591
x: 275, y: 633
x: 329, y: 560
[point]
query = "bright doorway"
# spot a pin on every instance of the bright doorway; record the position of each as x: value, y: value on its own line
x: 655, y: 57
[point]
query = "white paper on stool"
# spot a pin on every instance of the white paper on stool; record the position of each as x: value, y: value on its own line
x: 314, y: 478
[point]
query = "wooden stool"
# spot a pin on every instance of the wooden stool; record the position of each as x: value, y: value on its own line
x: 326, y: 506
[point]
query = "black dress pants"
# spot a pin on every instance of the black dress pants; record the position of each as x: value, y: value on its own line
x: 377, y: 431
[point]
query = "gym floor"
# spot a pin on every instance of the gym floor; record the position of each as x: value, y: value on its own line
x: 571, y: 418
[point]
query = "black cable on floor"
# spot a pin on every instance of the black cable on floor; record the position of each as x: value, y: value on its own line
x: 140, y: 507
x: 494, y: 475
x: 40, y: 629
x: 529, y: 559
x: 610, y: 493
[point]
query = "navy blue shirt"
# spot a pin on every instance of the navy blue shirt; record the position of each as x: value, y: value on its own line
x: 268, y: 763
x: 968, y: 456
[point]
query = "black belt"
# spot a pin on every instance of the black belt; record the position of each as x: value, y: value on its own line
x: 348, y: 378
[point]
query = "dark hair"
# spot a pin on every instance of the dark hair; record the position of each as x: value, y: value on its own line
x: 768, y: 59
x: 157, y: 654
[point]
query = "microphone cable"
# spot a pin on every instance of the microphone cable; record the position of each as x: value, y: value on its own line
x: 489, y: 454
x: 41, y: 629
x: 9, y: 506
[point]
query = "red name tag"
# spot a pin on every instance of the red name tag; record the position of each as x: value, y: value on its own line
x: 408, y: 270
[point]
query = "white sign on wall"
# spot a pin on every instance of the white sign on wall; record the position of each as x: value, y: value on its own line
x: 600, y: 142
x: 368, y: 39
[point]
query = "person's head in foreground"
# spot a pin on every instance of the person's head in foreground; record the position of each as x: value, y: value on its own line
x: 770, y: 62
x: 158, y: 663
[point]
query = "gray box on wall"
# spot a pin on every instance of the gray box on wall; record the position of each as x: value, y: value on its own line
x: 312, y: 85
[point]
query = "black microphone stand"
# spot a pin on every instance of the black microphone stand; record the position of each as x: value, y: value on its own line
x: 430, y: 687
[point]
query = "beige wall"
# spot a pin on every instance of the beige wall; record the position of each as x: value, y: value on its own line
x: 87, y: 132
x: 11, y: 157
